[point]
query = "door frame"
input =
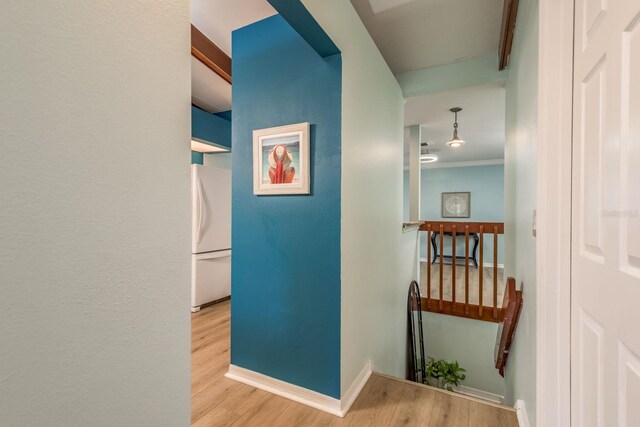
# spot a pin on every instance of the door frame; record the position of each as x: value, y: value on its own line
x: 553, y: 200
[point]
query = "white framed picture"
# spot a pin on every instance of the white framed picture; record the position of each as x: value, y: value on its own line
x: 456, y: 205
x: 281, y: 160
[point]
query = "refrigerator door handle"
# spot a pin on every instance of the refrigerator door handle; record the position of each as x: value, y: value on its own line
x: 200, y: 211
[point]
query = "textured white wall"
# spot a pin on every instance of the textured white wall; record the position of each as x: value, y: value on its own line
x: 468, y: 341
x: 520, y: 200
x: 374, y: 272
x: 94, y: 213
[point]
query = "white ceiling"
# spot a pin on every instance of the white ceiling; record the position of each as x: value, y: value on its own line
x: 209, y: 91
x: 481, y: 122
x: 414, y: 34
x: 216, y: 19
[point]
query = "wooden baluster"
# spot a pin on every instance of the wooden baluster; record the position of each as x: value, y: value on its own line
x: 481, y: 269
x: 495, y: 272
x: 441, y: 304
x: 453, y: 268
x: 428, y: 281
x: 466, y: 269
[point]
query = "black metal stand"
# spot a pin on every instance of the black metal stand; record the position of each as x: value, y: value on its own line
x: 416, y: 363
x: 449, y: 258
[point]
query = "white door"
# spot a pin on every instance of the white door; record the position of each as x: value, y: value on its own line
x: 211, y: 188
x: 605, y: 284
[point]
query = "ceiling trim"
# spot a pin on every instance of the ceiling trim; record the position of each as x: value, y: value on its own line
x: 466, y: 164
x: 207, y: 147
x: 509, y: 15
x: 210, y: 54
x: 474, y: 71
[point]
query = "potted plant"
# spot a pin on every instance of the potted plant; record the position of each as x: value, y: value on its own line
x: 444, y: 374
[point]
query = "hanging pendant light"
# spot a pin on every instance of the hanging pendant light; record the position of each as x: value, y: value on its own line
x: 455, y: 142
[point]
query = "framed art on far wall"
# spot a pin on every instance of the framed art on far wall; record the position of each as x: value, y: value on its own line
x: 281, y: 160
x: 456, y: 205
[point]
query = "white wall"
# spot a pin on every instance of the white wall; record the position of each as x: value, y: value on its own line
x: 375, y: 272
x: 470, y: 342
x: 94, y: 218
x: 520, y: 198
x: 220, y: 160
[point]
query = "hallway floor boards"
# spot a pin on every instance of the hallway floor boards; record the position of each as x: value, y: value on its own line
x: 219, y: 401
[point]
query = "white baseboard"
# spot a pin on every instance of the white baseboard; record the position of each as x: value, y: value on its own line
x: 286, y: 390
x: 490, y: 265
x: 480, y: 394
x: 303, y: 395
x: 521, y: 413
x: 355, y: 388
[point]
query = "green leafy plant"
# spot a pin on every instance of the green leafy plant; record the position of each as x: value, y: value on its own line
x: 444, y: 374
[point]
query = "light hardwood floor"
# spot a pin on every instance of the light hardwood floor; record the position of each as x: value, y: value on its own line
x: 384, y: 401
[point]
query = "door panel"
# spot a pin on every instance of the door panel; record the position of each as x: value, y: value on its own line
x: 593, y: 15
x: 591, y: 338
x: 590, y: 184
x: 630, y: 246
x: 605, y: 260
x: 629, y: 380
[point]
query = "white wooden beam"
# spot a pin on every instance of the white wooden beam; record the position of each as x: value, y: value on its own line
x: 414, y: 172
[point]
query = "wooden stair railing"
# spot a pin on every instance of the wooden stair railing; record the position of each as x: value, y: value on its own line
x: 480, y: 311
x: 511, y: 307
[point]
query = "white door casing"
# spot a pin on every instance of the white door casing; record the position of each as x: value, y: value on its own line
x: 553, y: 205
x: 605, y: 260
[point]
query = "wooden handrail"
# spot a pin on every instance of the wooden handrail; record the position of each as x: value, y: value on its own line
x: 474, y: 227
x: 436, y: 232
x: 511, y: 306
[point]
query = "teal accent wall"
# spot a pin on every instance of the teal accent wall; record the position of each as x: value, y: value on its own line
x: 285, y: 270
x: 297, y: 15
x: 210, y: 127
x: 227, y: 115
x: 197, y: 158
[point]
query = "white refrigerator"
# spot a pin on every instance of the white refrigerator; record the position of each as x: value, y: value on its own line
x: 211, y: 235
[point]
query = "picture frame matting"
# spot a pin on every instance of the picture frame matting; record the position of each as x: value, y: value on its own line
x: 281, y: 160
